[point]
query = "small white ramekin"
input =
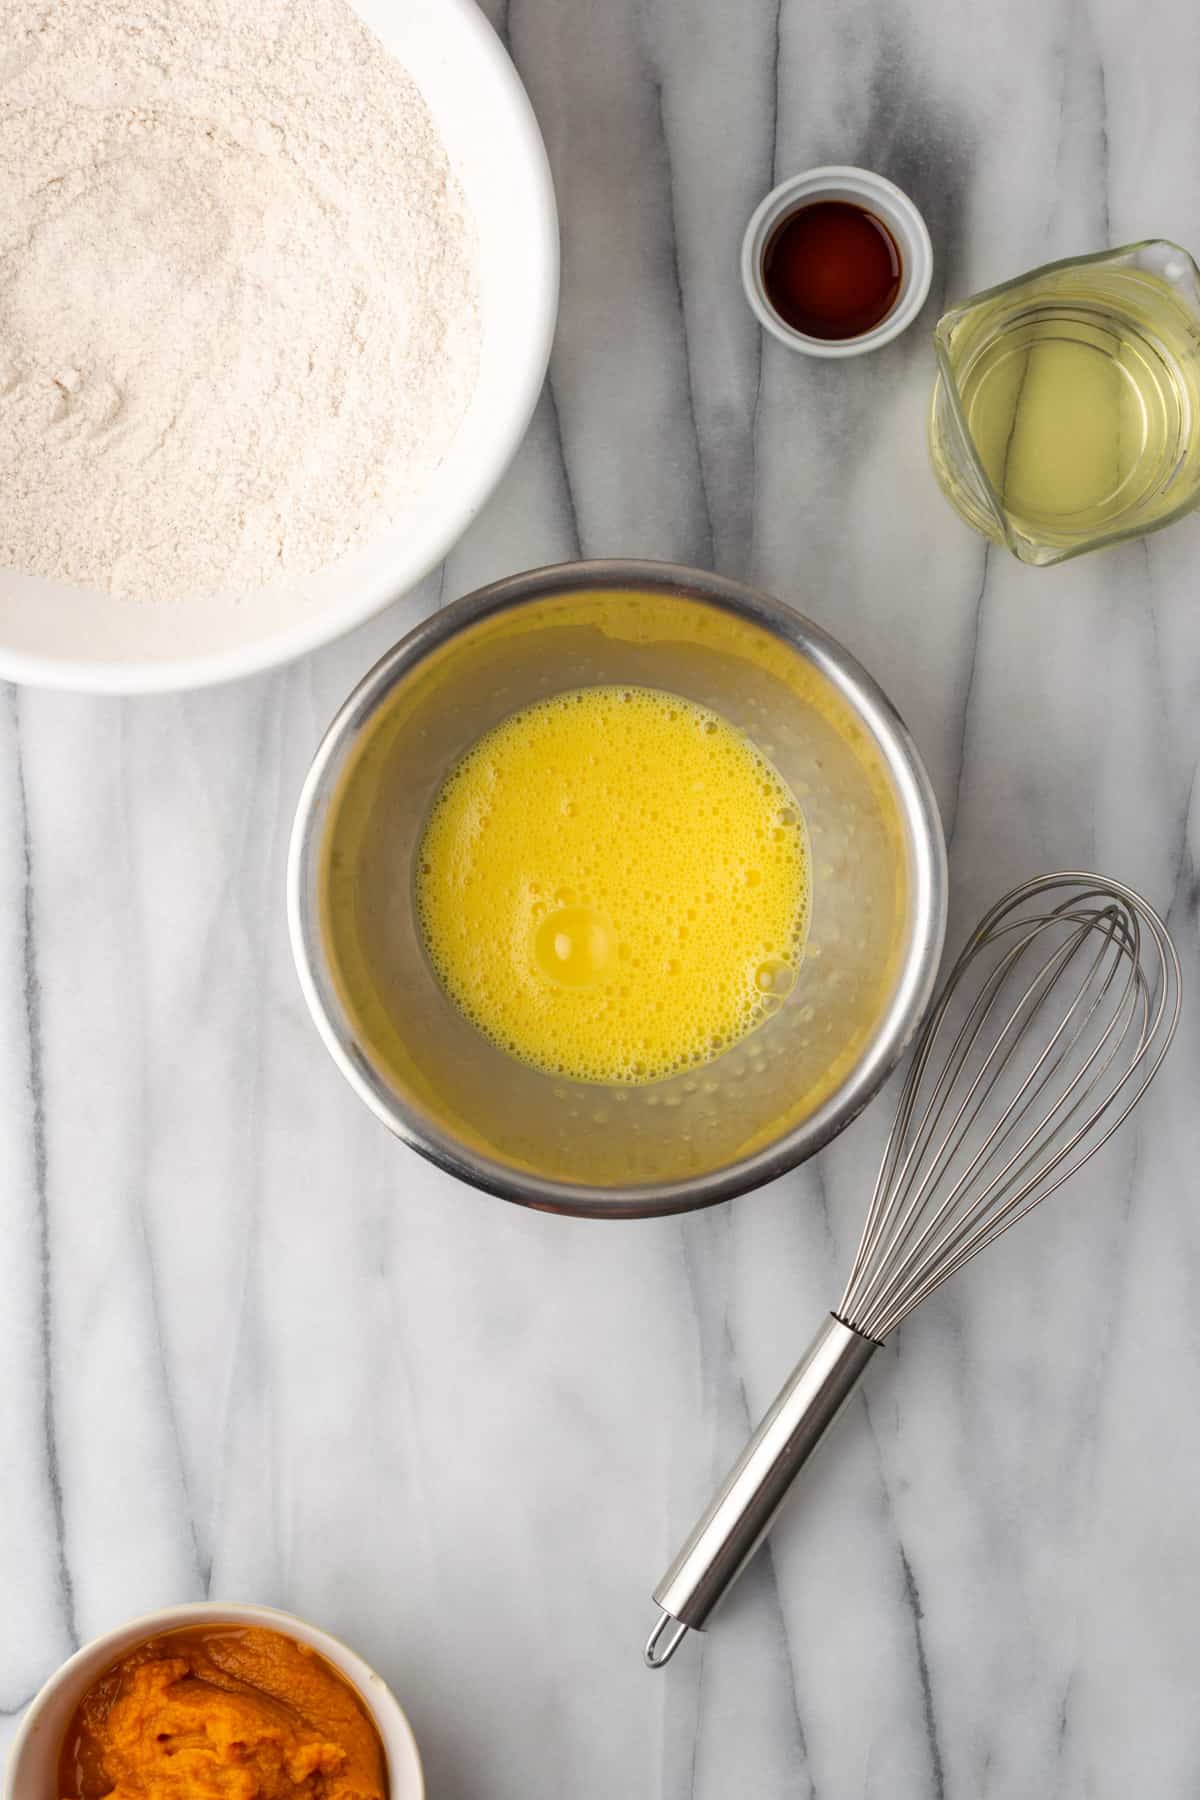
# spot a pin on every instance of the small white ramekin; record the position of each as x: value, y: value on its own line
x: 32, y: 1766
x: 877, y: 195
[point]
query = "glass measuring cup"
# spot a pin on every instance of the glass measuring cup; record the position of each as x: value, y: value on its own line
x: 1066, y: 410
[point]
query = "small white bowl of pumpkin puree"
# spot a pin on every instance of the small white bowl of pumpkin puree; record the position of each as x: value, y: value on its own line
x: 210, y: 1701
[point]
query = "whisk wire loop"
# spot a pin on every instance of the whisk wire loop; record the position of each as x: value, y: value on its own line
x: 907, y: 1200
x: 944, y: 1232
x: 893, y: 1182
x: 1009, y: 1084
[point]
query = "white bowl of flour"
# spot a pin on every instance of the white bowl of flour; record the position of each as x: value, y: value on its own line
x: 277, y: 290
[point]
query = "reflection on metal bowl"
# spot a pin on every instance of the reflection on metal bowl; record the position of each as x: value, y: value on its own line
x: 878, y: 902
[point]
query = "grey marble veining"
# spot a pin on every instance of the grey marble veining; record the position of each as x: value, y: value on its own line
x: 253, y: 1348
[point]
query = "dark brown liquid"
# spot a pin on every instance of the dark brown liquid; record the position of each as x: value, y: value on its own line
x: 832, y: 270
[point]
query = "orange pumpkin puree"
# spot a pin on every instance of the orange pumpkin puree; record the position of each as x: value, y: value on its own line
x: 221, y: 1712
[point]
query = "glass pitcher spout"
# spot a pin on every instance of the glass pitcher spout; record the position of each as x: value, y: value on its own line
x: 1066, y: 410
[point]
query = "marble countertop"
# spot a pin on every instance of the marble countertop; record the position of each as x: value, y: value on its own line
x: 253, y: 1348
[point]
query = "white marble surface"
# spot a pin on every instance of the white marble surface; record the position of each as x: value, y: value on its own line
x: 251, y: 1347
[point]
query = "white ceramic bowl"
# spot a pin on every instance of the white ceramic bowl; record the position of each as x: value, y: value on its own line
x: 56, y: 635
x: 32, y: 1767
x: 875, y: 193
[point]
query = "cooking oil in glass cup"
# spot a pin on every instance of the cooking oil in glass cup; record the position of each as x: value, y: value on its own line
x: 1066, y: 411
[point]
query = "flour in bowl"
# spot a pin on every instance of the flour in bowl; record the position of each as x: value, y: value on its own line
x: 239, y: 317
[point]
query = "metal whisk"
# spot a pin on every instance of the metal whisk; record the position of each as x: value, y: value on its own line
x: 1049, y: 1029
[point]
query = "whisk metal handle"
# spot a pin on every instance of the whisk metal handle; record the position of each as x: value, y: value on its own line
x: 738, y: 1519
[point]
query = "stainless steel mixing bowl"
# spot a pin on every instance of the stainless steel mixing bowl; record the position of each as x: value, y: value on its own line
x: 765, y: 1103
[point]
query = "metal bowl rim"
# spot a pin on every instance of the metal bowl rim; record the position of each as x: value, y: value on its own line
x: 917, y: 805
